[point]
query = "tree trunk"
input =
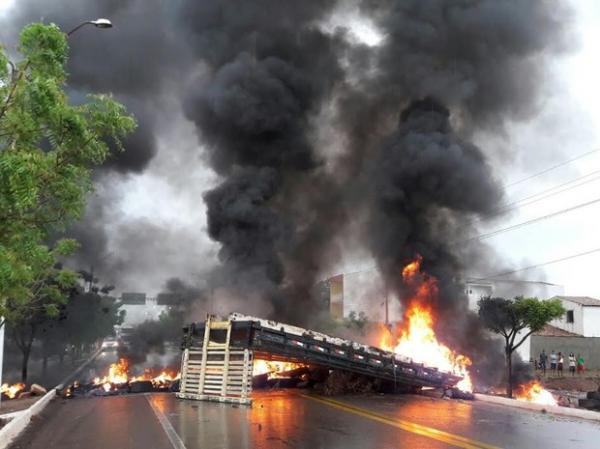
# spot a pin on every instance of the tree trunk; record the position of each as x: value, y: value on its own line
x: 44, y: 363
x: 509, y: 380
x: 25, y: 363
x: 24, y: 341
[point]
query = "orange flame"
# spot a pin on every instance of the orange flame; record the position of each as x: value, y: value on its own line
x: 11, y: 391
x: 118, y: 373
x: 417, y: 339
x: 272, y: 368
x: 534, y: 392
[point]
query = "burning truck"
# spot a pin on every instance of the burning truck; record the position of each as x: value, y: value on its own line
x: 223, y: 359
x: 219, y: 357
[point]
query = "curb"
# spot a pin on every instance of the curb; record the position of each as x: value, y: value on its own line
x: 554, y: 409
x: 16, y: 425
x: 21, y: 419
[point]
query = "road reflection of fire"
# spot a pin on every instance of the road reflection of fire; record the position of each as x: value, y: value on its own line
x: 118, y: 374
x: 273, y: 368
x: 534, y: 392
x: 11, y: 391
x: 417, y: 339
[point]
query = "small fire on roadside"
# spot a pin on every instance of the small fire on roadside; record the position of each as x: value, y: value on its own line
x: 417, y: 339
x: 11, y: 391
x: 534, y: 392
x: 118, y: 374
x: 272, y: 368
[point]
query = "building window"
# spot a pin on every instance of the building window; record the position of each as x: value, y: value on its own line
x: 570, y: 316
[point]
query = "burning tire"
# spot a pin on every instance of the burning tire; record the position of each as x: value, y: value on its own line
x: 594, y: 395
x: 590, y: 404
x: 141, y: 386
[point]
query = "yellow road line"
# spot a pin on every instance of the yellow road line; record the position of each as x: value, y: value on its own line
x: 430, y: 432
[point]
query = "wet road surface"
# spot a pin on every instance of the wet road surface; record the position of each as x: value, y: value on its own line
x: 290, y: 419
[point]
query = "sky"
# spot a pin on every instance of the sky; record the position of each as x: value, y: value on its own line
x: 566, y: 126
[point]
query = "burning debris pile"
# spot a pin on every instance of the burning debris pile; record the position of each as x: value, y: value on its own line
x: 118, y: 380
x: 275, y: 374
x: 534, y: 392
x: 19, y: 391
x: 11, y: 391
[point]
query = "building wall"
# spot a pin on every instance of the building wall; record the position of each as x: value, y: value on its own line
x: 577, y: 325
x: 587, y: 346
x: 524, y: 350
x: 477, y: 291
x: 510, y: 289
x: 591, y: 321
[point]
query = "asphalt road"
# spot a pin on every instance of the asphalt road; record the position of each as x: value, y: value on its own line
x: 289, y: 419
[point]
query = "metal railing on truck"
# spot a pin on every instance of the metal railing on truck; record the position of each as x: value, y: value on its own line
x: 218, y: 357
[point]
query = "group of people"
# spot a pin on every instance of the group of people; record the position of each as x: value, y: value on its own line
x: 557, y: 362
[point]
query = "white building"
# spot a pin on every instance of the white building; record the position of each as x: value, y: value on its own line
x: 505, y: 288
x: 582, y: 317
x: 476, y: 289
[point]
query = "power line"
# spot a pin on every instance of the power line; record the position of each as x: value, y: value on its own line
x: 562, y: 259
x: 554, y: 167
x: 528, y: 222
x: 516, y: 204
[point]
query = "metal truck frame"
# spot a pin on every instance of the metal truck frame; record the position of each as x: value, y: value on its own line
x: 218, y: 357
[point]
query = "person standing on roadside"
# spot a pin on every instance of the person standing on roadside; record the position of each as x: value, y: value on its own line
x: 580, y: 364
x: 572, y: 363
x: 560, y: 364
x: 543, y: 361
x: 553, y: 360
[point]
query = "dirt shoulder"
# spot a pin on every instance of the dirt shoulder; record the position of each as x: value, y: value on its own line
x: 588, y: 381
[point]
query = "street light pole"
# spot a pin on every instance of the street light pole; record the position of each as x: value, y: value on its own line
x: 98, y: 23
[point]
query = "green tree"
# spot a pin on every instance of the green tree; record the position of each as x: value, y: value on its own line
x: 48, y: 148
x: 78, y: 323
x: 26, y: 318
x: 516, y: 319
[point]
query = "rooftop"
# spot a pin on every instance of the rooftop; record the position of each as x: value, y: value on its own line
x: 553, y: 331
x: 581, y: 300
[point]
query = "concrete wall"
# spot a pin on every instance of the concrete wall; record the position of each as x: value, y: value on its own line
x: 577, y: 325
x: 589, y: 347
x: 591, y: 321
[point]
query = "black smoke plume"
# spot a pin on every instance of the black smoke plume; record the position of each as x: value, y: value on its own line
x: 269, y: 77
x: 445, y: 71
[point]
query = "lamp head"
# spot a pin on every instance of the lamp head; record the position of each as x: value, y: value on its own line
x: 102, y: 23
